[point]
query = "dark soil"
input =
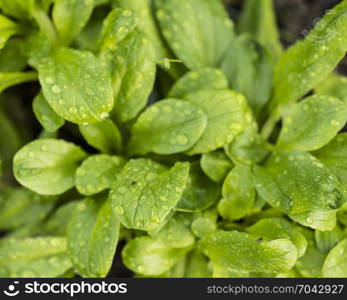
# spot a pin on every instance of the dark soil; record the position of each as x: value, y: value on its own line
x: 295, y: 18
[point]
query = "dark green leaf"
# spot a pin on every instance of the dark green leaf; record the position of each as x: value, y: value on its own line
x: 200, y: 192
x: 335, y: 264
x: 197, y: 31
x: 70, y: 17
x: 249, y: 67
x: 303, y: 66
x: 8, y: 28
x: 34, y: 257
x: 258, y: 18
x: 97, y: 173
x: 238, y: 194
x: 298, y: 184
x: 227, y: 114
x: 312, y: 123
x: 150, y: 257
x: 279, y: 228
x: 47, y: 117
x: 132, y: 66
x: 200, y: 79
x: 12, y: 78
x: 47, y: 166
x: 76, y: 85
x: 104, y: 136
x: 118, y: 24
x: 167, y: 127
x: 146, y: 192
x: 216, y: 165
x: 92, y: 237
x: 233, y: 252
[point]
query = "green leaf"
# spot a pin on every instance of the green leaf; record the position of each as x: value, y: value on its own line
x: 150, y: 257
x: 104, y: 136
x: 334, y: 156
x: 303, y: 66
x: 58, y: 222
x: 117, y: 25
x: 322, y: 220
x: 342, y: 215
x: 238, y: 194
x: 310, y: 264
x: 167, y: 127
x: 227, y: 116
x: 335, y: 265
x: 70, y: 17
x: 176, y: 232
x: 133, y: 68
x: 258, y: 18
x: 216, y: 165
x: 8, y: 79
x: 200, y: 192
x: 11, y: 57
x: 312, y: 123
x: 298, y: 184
x: 249, y: 69
x: 76, y: 85
x: 16, y: 8
x: 239, y: 253
x: 326, y: 240
x: 33, y: 257
x: 8, y: 28
x: 47, y: 117
x: 20, y: 207
x: 279, y: 228
x: 248, y: 148
x: 8, y: 146
x: 97, y: 173
x: 145, y: 193
x: 47, y: 166
x: 334, y: 85
x: 200, y: 79
x: 147, y: 23
x: 197, y: 31
x: 92, y: 237
x: 205, y: 223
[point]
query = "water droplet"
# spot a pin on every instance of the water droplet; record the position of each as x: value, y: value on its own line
x: 235, y: 126
x: 122, y: 29
x: 119, y: 210
x: 121, y: 190
x: 81, y: 207
x: 167, y: 108
x: 104, y: 115
x: 49, y: 80
x: 309, y: 220
x: 163, y: 198
x: 140, y: 223
x: 141, y: 269
x: 335, y: 123
x: 55, y: 89
x: 73, y: 110
x: 182, y: 139
x: 127, y: 13
x: 160, y: 14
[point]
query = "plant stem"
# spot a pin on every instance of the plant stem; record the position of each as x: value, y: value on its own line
x: 45, y: 24
x: 271, y: 123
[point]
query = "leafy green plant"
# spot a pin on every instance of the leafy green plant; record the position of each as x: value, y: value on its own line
x: 192, y: 145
